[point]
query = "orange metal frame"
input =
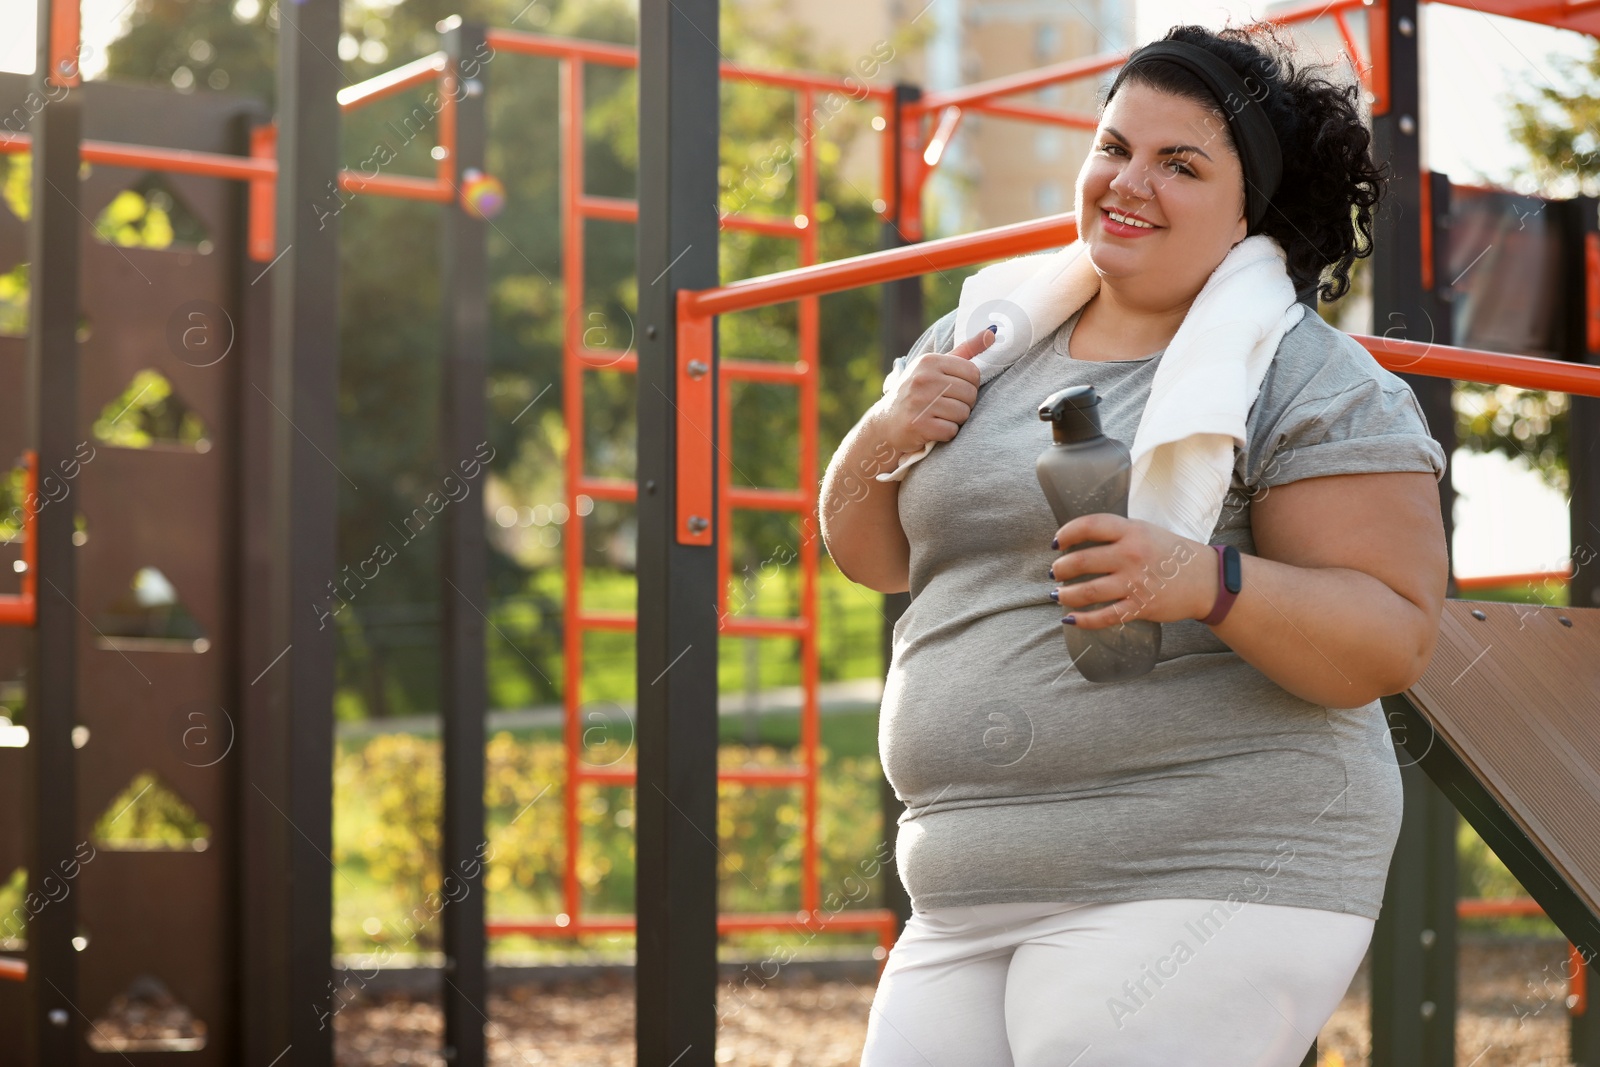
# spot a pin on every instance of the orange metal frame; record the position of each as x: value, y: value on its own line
x: 699, y: 409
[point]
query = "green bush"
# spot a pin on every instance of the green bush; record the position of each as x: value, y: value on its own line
x: 387, y: 804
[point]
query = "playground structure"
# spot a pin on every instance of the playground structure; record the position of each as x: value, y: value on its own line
x: 241, y: 932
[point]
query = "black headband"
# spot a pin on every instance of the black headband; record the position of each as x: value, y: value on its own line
x: 1253, y: 135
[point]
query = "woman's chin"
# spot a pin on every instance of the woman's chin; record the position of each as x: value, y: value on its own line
x: 1112, y: 260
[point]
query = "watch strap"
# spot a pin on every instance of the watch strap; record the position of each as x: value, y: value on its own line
x: 1225, y: 595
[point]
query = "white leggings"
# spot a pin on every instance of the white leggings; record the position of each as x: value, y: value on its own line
x: 1204, y: 983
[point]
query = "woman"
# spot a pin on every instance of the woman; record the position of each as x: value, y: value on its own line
x: 1185, y: 867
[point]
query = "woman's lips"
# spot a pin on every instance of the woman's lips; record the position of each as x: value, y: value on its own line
x: 1120, y: 229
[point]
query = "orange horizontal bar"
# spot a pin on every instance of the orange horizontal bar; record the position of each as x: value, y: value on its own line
x: 240, y: 168
x: 113, y: 154
x: 770, y: 225
x: 605, y: 775
x: 1052, y: 231
x: 538, y: 44
x: 609, y: 488
x: 625, y: 775
x: 779, y: 372
x: 1494, y: 581
x: 1309, y: 12
x: 210, y: 164
x: 1026, y: 82
x: 763, y: 626
x: 398, y: 185
x: 608, y: 207
x: 606, y: 620
x: 788, y: 79
x: 13, y: 970
x: 605, y: 359
x: 760, y: 498
x: 16, y: 611
x: 616, y: 209
x: 390, y: 82
x: 1496, y: 908
x: 1029, y: 113
x: 545, y: 927
x: 1474, y: 365
x: 818, y: 921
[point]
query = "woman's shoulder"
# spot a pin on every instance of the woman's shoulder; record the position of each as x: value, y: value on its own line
x: 1326, y: 406
x: 1318, y: 361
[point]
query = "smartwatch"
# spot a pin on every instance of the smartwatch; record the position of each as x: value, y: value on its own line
x: 1230, y: 579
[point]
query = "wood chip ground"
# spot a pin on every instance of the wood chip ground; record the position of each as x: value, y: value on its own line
x: 1511, y: 1015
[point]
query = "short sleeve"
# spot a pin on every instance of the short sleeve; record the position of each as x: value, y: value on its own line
x: 936, y: 338
x: 1372, y: 426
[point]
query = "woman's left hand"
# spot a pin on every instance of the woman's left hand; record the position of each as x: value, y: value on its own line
x: 1150, y: 572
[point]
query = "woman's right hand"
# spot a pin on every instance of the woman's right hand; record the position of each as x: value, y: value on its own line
x: 932, y: 401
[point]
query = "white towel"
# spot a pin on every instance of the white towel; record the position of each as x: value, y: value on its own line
x: 1204, y: 386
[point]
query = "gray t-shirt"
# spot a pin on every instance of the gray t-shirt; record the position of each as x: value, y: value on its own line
x: 1023, y: 781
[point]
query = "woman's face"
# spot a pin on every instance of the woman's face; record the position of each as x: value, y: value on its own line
x: 1165, y: 159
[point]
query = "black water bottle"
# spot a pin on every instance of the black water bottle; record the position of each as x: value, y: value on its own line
x: 1084, y: 472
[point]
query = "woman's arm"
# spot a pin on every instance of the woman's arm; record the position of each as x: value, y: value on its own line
x: 1340, y: 605
x: 1349, y: 584
x: 860, y: 515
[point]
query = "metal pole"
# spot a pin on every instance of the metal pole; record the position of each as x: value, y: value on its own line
x: 676, y: 795
x: 54, y: 1018
x: 1414, y: 945
x: 1583, y: 468
x: 1583, y: 420
x: 306, y: 486
x: 900, y: 325
x: 263, y: 833
x: 463, y: 433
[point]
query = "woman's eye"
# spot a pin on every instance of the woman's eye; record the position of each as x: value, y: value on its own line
x: 1181, y: 167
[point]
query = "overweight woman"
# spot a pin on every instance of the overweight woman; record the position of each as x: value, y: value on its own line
x: 1182, y: 868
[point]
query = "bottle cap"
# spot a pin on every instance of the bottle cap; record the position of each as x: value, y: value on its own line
x: 1073, y: 414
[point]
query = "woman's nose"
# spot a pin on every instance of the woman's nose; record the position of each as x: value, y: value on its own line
x: 1132, y: 180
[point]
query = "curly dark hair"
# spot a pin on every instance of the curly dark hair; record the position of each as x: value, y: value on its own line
x: 1322, y: 211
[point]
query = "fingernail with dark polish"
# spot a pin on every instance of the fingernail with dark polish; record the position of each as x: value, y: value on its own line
x: 1051, y: 570
x: 1069, y: 620
x: 1055, y: 594
x: 1055, y: 543
x: 995, y: 329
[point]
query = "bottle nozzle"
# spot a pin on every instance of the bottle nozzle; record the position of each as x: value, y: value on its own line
x: 1073, y: 414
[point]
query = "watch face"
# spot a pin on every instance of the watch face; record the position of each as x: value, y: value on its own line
x: 1232, y: 570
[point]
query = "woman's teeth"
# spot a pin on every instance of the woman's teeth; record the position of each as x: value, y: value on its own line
x: 1129, y: 222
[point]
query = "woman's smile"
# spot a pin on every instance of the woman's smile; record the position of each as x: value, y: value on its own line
x: 1110, y: 220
